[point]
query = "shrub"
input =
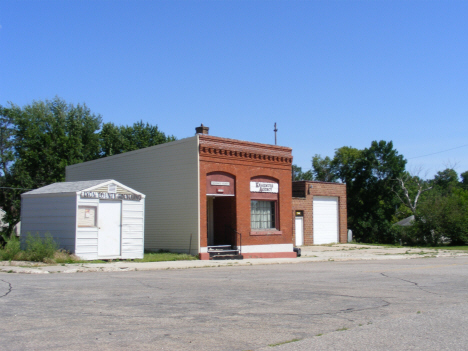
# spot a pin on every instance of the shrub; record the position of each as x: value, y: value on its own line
x: 38, y: 248
x: 63, y: 256
x: 11, y: 250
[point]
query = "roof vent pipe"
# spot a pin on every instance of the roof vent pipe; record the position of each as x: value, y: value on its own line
x: 202, y: 129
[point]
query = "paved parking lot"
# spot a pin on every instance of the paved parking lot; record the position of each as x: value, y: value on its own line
x: 374, y: 305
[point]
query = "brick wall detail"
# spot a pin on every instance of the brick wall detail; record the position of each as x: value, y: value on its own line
x: 305, y: 203
x: 245, y: 160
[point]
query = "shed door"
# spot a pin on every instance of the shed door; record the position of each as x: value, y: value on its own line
x: 109, y: 237
x: 325, y: 220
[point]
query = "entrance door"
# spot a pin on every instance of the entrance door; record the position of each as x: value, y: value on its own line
x: 221, y: 220
x: 109, y: 237
x: 299, y: 225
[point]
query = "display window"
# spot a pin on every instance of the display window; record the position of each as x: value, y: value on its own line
x: 263, y: 214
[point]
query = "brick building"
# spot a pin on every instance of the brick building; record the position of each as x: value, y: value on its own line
x: 208, y: 195
x: 320, y: 215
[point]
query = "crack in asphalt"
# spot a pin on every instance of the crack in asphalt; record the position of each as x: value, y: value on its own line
x: 9, y: 289
x: 409, y: 281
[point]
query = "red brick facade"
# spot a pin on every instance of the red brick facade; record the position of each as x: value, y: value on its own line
x: 244, y: 161
x: 303, y: 194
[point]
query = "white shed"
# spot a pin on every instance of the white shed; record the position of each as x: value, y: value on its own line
x: 94, y: 219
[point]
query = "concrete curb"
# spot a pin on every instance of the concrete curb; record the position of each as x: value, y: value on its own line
x: 335, y: 253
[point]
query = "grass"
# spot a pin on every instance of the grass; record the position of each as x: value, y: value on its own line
x: 45, y: 250
x: 284, y: 342
x: 440, y: 247
x: 165, y: 256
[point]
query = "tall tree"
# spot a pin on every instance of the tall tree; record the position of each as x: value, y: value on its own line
x: 323, y: 169
x: 51, y: 135
x: 464, y: 181
x: 371, y: 200
x: 409, y: 190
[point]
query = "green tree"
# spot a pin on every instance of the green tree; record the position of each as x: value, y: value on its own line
x: 446, y: 180
x: 442, y: 217
x: 297, y: 174
x: 409, y: 190
x: 9, y: 194
x: 464, y: 182
x: 323, y: 169
x: 51, y: 135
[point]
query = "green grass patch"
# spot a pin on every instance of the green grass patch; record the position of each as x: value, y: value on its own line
x: 440, y: 247
x: 284, y: 342
x: 383, y: 245
x: 165, y: 256
x: 45, y: 250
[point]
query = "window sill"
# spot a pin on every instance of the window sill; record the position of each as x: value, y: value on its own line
x: 266, y: 232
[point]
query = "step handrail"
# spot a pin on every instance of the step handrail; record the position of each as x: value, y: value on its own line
x: 236, y: 235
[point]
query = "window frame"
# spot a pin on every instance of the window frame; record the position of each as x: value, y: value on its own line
x: 274, y: 213
x: 95, y: 216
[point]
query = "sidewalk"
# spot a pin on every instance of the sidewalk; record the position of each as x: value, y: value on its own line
x: 338, y: 252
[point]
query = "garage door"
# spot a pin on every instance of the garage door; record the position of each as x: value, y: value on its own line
x: 325, y: 220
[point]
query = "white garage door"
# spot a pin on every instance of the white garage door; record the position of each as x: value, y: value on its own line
x: 325, y: 220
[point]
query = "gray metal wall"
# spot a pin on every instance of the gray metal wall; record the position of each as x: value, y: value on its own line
x: 168, y: 175
x: 50, y: 214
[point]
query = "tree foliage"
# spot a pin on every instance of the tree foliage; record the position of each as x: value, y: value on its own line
x: 118, y: 139
x: 298, y: 174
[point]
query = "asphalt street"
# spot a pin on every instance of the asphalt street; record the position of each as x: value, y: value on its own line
x: 417, y: 304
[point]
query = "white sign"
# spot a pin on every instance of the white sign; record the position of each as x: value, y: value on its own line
x: 109, y: 196
x: 220, y: 183
x: 262, y: 187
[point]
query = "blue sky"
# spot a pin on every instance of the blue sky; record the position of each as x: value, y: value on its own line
x: 329, y: 73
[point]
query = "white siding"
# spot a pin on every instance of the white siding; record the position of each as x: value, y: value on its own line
x: 132, y: 229
x: 87, y: 238
x: 168, y: 175
x: 50, y: 214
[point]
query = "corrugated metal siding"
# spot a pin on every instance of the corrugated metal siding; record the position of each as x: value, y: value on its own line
x: 168, y: 175
x: 55, y: 215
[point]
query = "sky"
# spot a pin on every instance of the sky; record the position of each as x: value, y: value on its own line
x: 329, y: 73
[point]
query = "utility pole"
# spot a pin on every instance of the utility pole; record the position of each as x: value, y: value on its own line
x: 275, y: 130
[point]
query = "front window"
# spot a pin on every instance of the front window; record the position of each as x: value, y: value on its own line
x: 262, y: 214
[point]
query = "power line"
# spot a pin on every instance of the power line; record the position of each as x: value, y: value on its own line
x: 439, y: 152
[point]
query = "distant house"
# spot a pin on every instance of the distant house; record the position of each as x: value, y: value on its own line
x: 406, y: 222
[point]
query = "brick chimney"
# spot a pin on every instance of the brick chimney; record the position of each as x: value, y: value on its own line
x: 202, y: 129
